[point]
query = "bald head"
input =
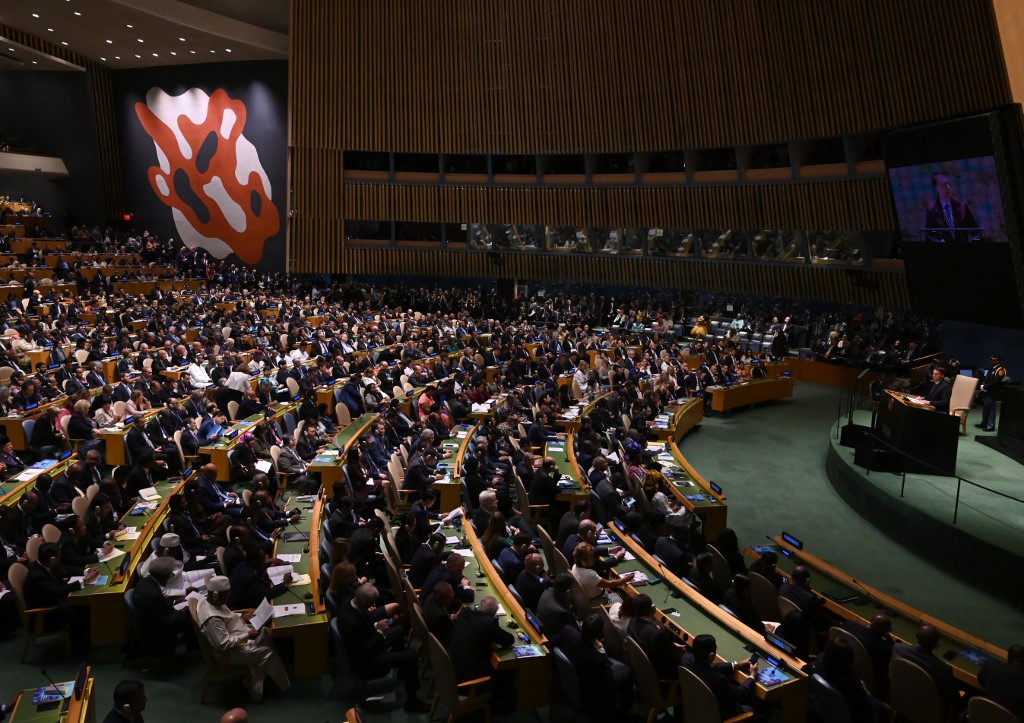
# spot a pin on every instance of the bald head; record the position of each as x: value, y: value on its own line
x: 455, y: 563
x: 881, y: 625
x: 235, y: 715
x: 927, y: 637
x: 444, y: 594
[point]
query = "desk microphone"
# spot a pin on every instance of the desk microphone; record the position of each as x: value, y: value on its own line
x: 110, y: 573
x: 65, y: 699
x: 872, y: 599
x: 303, y: 534
x: 56, y: 688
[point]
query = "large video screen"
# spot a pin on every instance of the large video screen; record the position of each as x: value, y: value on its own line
x: 954, y: 192
x: 951, y: 201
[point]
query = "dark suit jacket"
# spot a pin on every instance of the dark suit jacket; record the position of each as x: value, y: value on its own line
x: 159, y: 622
x: 44, y: 589
x: 939, y: 393
x: 470, y: 648
x: 554, y: 615
x: 718, y: 677
x: 250, y: 587
x: 1004, y: 683
x: 530, y: 588
x: 439, y: 621
x: 441, y: 574
x: 657, y: 643
x: 675, y: 557
x: 423, y: 562
x: 935, y: 218
x: 543, y: 489
x: 364, y: 646
x: 879, y: 649
x: 937, y: 668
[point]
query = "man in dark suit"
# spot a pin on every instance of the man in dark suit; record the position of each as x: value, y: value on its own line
x: 940, y: 391
x: 553, y: 608
x: 798, y: 590
x: 476, y: 633
x: 425, y: 559
x: 450, y: 572
x: 375, y: 648
x: 1004, y: 682
x: 877, y: 640
x: 531, y: 582
x: 922, y: 654
x: 46, y: 586
x: 673, y: 550
x: 437, y: 613
x: 250, y: 585
x: 654, y: 640
x: 160, y: 624
x: 122, y: 392
x: 733, y: 698
x: 945, y: 212
x: 544, y: 487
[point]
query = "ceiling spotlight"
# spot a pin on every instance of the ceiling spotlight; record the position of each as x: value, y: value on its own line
x: 182, y: 39
x: 193, y: 52
x: 103, y: 59
x: 138, y: 56
x: 156, y: 55
x: 63, y: 42
x: 117, y: 57
x: 141, y: 40
x: 35, y: 15
x: 34, y: 63
x: 11, y: 49
x: 49, y: 30
x: 213, y: 51
x: 129, y: 26
x: 173, y: 53
x: 227, y: 50
x: 110, y: 42
x: 78, y: 13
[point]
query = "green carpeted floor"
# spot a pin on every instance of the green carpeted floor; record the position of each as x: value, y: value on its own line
x: 770, y: 460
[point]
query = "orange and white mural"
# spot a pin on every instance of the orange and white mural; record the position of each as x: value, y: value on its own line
x: 208, y: 173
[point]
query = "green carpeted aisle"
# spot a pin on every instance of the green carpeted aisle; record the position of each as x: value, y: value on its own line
x: 771, y: 462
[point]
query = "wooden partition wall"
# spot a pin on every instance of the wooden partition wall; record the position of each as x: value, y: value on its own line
x: 605, y: 76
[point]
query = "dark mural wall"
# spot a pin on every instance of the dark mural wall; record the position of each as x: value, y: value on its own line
x: 51, y: 113
x: 204, y: 156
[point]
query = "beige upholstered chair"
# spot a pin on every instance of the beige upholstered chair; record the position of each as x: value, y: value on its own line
x: 961, y: 398
x: 913, y: 694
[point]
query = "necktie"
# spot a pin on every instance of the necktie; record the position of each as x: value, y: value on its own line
x: 949, y: 216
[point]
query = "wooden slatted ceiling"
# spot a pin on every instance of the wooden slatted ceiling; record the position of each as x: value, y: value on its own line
x: 538, y: 76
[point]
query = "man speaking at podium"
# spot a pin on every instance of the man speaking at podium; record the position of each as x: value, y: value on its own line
x: 940, y: 391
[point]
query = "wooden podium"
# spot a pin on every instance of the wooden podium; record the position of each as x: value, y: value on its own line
x: 927, y: 438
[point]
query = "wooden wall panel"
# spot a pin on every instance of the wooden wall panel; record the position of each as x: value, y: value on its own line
x: 856, y: 204
x: 605, y: 76
x: 102, y: 92
x: 539, y: 76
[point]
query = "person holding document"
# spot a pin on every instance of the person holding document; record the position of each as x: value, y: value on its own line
x: 229, y: 635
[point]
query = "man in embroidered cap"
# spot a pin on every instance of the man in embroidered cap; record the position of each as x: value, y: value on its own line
x: 230, y: 636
